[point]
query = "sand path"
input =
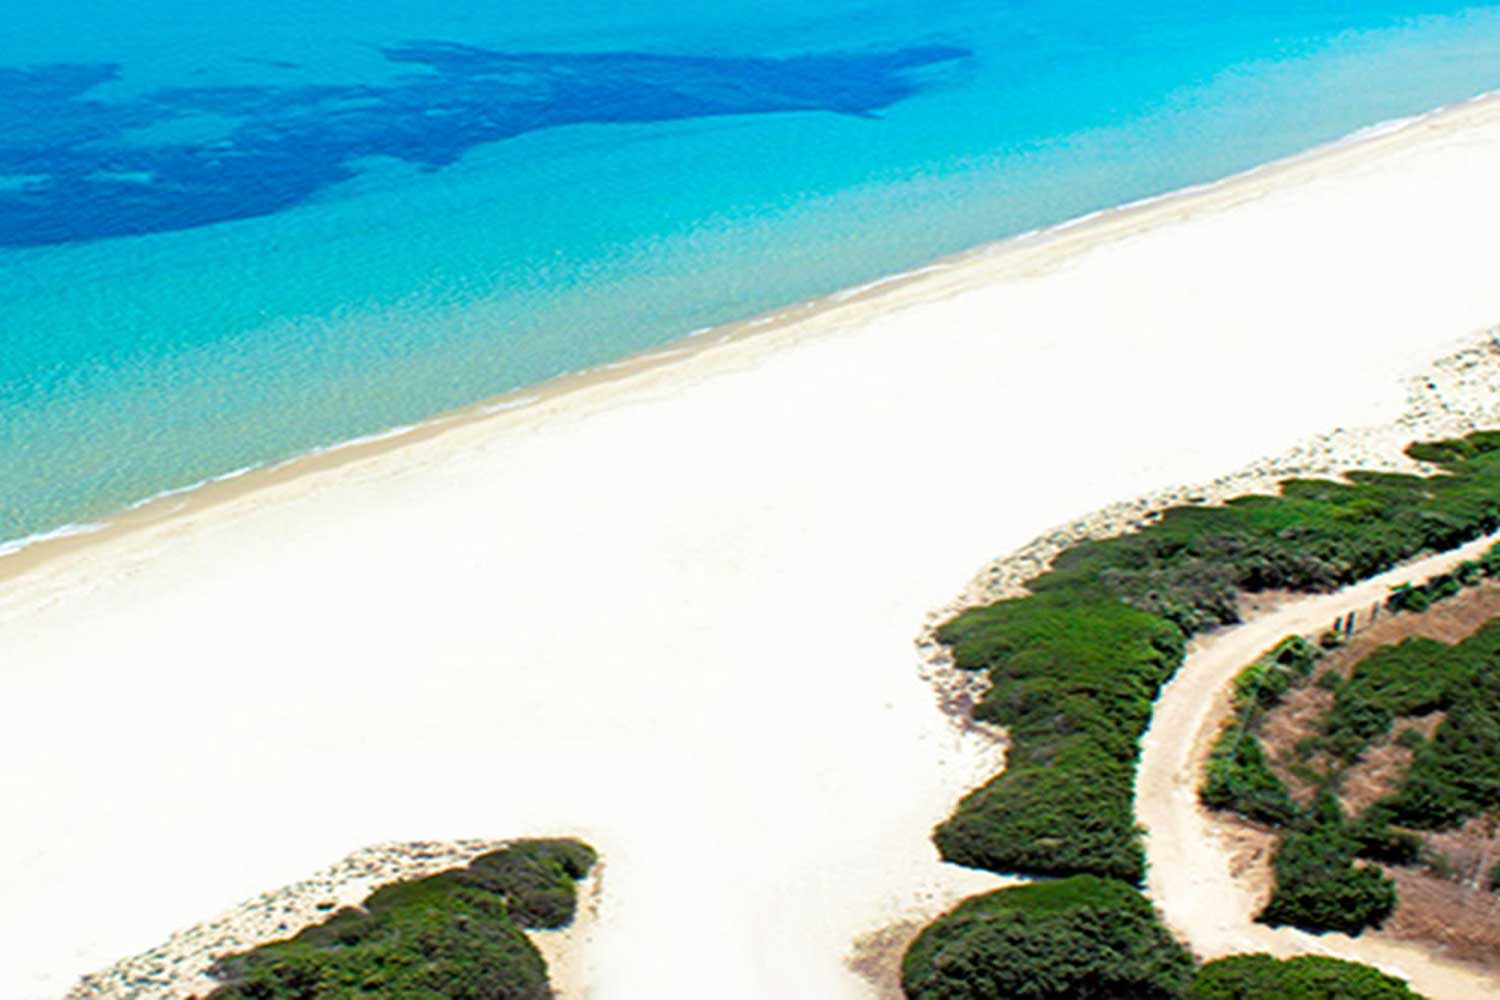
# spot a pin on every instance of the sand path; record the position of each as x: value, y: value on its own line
x: 1189, y: 855
x: 673, y: 614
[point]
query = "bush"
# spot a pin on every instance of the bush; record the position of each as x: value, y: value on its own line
x: 1238, y: 776
x: 1409, y: 678
x: 1307, y: 977
x: 1410, y: 738
x: 1080, y: 938
x: 1383, y: 841
x: 1073, y: 681
x: 536, y: 879
x: 1408, y: 597
x: 1239, y: 779
x: 1456, y: 774
x: 1318, y: 886
x: 450, y: 935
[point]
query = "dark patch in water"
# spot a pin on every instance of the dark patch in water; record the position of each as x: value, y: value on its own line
x: 84, y: 176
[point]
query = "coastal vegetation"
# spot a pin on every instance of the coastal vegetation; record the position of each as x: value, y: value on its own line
x: 1074, y: 668
x: 1082, y: 937
x: 1319, y: 886
x: 1306, y: 977
x: 1239, y: 777
x: 456, y: 934
x: 1075, y: 665
x: 1090, y: 938
x: 1452, y: 777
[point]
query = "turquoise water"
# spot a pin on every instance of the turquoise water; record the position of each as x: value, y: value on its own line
x: 233, y: 233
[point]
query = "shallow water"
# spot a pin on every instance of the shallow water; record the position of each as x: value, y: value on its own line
x: 231, y: 233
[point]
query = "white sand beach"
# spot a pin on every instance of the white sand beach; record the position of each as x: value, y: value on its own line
x: 673, y: 611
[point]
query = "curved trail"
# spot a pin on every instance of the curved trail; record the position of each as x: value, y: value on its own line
x: 1189, y: 876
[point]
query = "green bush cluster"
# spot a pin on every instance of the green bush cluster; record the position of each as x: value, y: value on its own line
x: 1409, y: 678
x: 1087, y: 938
x: 1419, y: 597
x: 454, y: 935
x: 1456, y: 775
x: 1075, y: 666
x: 1073, y: 681
x: 1238, y: 777
x: 1079, y: 938
x: 1318, y: 885
x: 1307, y: 977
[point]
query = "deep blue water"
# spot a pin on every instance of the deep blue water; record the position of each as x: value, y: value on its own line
x: 231, y: 233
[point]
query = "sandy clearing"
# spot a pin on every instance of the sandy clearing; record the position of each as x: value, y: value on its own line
x: 1188, y: 850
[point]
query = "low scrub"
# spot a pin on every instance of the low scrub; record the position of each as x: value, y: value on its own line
x: 454, y: 935
x: 1455, y: 775
x: 1409, y: 678
x: 1076, y: 665
x: 1238, y: 777
x: 1080, y: 938
x: 1307, y: 977
x: 1319, y: 887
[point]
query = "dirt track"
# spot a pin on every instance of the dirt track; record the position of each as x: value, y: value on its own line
x: 1190, y: 877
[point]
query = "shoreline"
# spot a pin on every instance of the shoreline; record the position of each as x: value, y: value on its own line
x: 820, y: 316
x: 588, y: 613
x: 1444, y: 400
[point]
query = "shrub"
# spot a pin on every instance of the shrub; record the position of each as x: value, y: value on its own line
x: 1410, y: 738
x: 1080, y: 938
x: 1456, y: 774
x: 1381, y: 840
x: 1240, y: 779
x: 1318, y: 886
x: 1408, y: 597
x: 1073, y: 680
x: 1409, y: 678
x: 1238, y: 776
x: 1307, y: 977
x: 449, y: 935
x: 536, y: 878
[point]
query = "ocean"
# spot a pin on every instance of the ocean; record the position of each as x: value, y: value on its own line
x: 232, y: 233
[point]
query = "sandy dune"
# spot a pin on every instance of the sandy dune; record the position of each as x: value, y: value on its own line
x: 1190, y: 872
x: 673, y: 612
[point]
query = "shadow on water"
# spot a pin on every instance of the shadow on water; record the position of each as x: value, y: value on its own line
x: 76, y: 167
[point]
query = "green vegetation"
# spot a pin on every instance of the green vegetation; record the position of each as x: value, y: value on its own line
x: 1238, y: 776
x: 1083, y: 938
x: 1456, y: 775
x: 1078, y: 938
x: 1074, y: 682
x: 1308, y: 977
x: 1076, y: 665
x: 1408, y: 678
x: 1074, y: 670
x: 454, y: 935
x: 1318, y: 885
